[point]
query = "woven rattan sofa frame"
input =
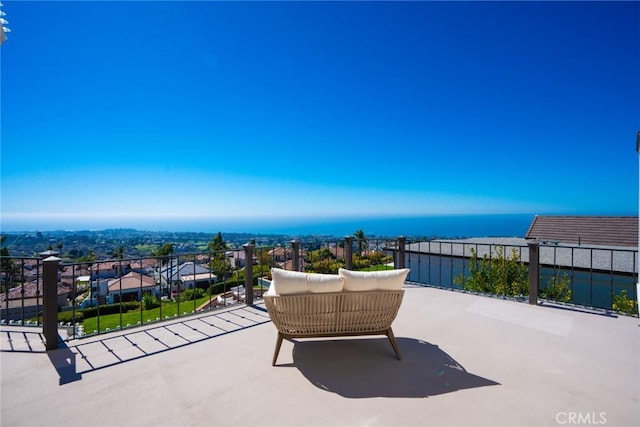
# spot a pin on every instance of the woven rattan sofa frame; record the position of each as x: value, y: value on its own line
x: 335, y: 314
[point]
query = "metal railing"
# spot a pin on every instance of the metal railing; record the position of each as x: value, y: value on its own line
x: 89, y: 298
x: 594, y: 275
x: 105, y: 296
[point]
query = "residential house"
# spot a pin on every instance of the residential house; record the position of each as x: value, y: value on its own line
x: 131, y: 287
x: 109, y: 270
x: 280, y: 254
x: 25, y: 301
x: 187, y: 275
x: 237, y: 258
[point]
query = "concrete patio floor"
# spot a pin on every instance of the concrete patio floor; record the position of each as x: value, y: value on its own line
x: 467, y: 360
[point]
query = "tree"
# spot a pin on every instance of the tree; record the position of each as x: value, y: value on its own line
x: 6, y: 262
x: 217, y: 243
x: 361, y: 238
x: 323, y: 261
x: 265, y: 258
x: 220, y: 267
x: 90, y: 258
x: 219, y: 263
x: 164, y: 250
x: 118, y: 252
x: 7, y: 266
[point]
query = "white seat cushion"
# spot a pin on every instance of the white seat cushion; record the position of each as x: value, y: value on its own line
x: 383, y: 280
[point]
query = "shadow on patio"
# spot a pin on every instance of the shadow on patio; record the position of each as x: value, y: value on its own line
x: 80, y: 356
x: 367, y: 368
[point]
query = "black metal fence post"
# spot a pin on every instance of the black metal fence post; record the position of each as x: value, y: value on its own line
x: 534, y: 271
x: 50, y: 303
x: 248, y: 273
x: 295, y: 256
x: 401, y: 252
x: 348, y: 252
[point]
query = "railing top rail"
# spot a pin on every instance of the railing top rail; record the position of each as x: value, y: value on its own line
x: 523, y: 244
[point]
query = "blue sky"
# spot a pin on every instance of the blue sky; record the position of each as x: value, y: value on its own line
x: 144, y: 112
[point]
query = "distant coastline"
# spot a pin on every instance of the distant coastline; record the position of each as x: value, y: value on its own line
x: 443, y: 226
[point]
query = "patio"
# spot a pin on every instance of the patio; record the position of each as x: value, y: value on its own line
x: 467, y: 360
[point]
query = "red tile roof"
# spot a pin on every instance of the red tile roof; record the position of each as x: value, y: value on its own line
x: 31, y: 290
x: 131, y: 280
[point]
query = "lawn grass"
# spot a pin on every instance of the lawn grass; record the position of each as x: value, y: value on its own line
x: 168, y: 309
x: 378, y: 267
x: 145, y: 248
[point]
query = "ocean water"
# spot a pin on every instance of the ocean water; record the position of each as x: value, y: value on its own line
x: 434, y: 226
x: 515, y: 225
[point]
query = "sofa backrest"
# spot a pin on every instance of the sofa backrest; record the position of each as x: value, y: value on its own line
x: 285, y: 282
x: 334, y: 312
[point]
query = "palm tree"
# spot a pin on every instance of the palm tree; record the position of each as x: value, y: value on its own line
x: 359, y: 235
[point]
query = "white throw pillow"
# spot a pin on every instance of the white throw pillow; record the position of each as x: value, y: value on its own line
x: 392, y: 280
x: 287, y: 282
x: 321, y: 283
x: 358, y: 280
x: 385, y: 280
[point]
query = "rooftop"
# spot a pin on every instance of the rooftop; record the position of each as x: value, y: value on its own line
x: 467, y: 360
x: 584, y: 229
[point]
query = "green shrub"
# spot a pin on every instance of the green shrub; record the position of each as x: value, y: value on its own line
x: 624, y: 304
x: 149, y: 302
x: 76, y: 316
x: 496, y: 275
x: 557, y: 288
x: 218, y: 288
x: 326, y: 266
x: 111, y: 309
x: 191, y: 294
x: 364, y: 262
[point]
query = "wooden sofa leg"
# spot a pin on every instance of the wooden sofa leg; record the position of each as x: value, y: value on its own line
x: 392, y: 340
x: 275, y: 353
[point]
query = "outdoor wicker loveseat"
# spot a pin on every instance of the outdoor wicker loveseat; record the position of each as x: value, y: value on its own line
x: 351, y: 303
